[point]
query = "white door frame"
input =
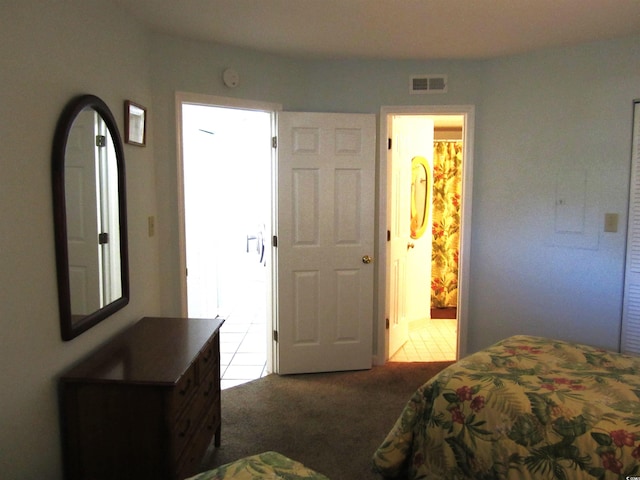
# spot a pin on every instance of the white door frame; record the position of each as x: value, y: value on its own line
x: 241, y: 104
x: 382, y: 308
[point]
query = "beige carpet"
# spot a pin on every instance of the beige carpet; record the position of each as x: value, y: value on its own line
x: 331, y: 422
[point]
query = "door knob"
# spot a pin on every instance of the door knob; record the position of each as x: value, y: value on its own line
x: 367, y: 259
x: 410, y: 245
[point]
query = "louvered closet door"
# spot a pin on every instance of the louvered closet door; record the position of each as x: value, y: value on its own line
x: 630, y: 342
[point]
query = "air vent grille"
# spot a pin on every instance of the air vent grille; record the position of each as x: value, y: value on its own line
x: 428, y: 84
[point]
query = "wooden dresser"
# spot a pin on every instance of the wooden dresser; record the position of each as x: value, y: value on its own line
x: 146, y: 405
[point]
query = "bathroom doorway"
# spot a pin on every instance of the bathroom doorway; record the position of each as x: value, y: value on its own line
x: 226, y: 168
x: 422, y: 266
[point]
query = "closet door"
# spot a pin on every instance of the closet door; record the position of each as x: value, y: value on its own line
x: 630, y: 340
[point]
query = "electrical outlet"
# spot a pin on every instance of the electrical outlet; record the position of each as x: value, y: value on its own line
x: 151, y: 225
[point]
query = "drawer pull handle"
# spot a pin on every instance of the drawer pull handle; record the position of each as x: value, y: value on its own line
x: 186, y: 387
x: 186, y: 428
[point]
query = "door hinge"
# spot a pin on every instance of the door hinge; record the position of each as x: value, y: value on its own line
x: 274, y: 142
x: 101, y: 140
x: 387, y: 323
x: 388, y: 235
x: 103, y: 238
x: 389, y: 144
x: 274, y: 241
x: 275, y: 335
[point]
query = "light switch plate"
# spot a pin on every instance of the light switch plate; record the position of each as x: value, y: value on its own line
x: 151, y: 226
x: 611, y: 222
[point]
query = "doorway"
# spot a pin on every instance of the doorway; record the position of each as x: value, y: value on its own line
x: 343, y: 325
x: 434, y: 330
x: 226, y: 161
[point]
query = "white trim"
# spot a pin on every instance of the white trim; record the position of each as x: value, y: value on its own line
x: 238, y: 103
x: 468, y: 111
x: 182, y: 242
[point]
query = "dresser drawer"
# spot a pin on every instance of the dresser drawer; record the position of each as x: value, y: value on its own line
x: 209, y: 357
x: 205, y: 397
x: 209, y: 389
x: 190, y: 459
x: 212, y: 420
x: 184, y: 428
x: 183, y: 390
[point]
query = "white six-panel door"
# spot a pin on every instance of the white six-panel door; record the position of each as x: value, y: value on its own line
x: 409, y: 259
x: 399, y: 204
x: 325, y: 223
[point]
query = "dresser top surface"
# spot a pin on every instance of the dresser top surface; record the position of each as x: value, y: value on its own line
x: 154, y: 350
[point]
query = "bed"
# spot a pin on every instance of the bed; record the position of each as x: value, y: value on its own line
x: 524, y: 408
x: 264, y: 466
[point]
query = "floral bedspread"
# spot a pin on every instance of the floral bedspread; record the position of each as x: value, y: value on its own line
x: 525, y: 408
x: 264, y: 466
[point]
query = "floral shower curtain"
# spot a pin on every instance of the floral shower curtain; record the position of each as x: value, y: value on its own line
x: 447, y: 187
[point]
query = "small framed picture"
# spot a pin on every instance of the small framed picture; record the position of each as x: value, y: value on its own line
x: 135, y: 123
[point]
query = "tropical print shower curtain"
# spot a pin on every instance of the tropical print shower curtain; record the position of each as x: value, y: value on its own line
x: 447, y: 187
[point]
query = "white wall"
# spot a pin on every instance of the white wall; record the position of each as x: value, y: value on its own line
x: 50, y: 52
x: 364, y: 86
x: 542, y: 114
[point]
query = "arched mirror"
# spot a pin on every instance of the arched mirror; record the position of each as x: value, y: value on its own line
x: 90, y: 215
x: 420, y: 196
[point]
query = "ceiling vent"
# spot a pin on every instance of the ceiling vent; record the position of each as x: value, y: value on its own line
x: 428, y: 84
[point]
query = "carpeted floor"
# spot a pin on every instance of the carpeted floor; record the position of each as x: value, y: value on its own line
x: 331, y: 422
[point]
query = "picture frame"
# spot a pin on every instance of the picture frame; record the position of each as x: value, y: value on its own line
x: 135, y: 123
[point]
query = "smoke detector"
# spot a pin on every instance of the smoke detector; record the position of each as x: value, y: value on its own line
x: 231, y: 78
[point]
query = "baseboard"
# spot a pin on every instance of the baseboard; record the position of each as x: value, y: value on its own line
x: 447, y: 312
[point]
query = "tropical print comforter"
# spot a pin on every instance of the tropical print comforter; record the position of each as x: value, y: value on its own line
x: 525, y: 408
x: 264, y: 466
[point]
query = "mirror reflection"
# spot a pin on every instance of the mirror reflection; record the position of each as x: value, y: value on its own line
x: 91, y: 196
x: 420, y: 201
x: 89, y: 202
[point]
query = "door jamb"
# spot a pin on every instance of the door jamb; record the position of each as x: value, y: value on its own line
x: 381, y: 307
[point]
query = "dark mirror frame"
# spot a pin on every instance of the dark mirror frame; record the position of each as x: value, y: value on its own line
x: 73, y: 325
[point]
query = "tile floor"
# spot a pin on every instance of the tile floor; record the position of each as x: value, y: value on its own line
x: 243, y: 349
x: 243, y: 346
x: 429, y: 341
